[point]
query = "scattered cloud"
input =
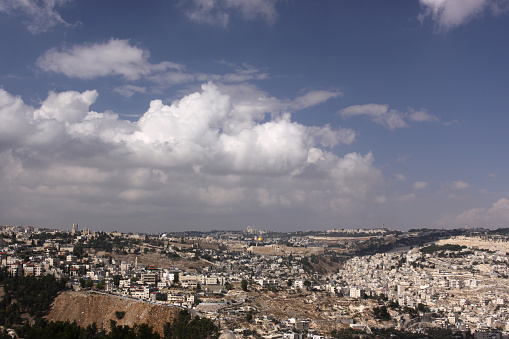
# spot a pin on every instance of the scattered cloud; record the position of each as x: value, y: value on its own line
x: 403, y: 159
x: 221, y: 150
x: 41, y: 16
x: 240, y: 74
x: 495, y: 216
x: 400, y: 177
x: 493, y: 176
x: 219, y: 12
x: 380, y: 114
x: 419, y: 185
x: 448, y: 14
x: 115, y: 57
x: 407, y: 197
x: 389, y: 118
x: 458, y: 185
x: 313, y: 98
x: 450, y: 123
x: 118, y: 57
x: 129, y: 90
x: 381, y: 200
x: 422, y: 116
x: 454, y: 196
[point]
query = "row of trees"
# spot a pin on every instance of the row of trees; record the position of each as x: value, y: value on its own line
x: 105, y: 242
x: 26, y: 294
x: 382, y: 333
x: 184, y: 327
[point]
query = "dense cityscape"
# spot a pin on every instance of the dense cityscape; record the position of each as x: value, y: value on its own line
x: 370, y: 283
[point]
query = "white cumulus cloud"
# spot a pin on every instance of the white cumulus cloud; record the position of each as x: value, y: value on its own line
x: 213, y: 153
x: 67, y: 107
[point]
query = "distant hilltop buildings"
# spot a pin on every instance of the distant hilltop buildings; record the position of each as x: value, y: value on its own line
x: 381, y: 230
x: 252, y: 230
x: 360, y: 230
x: 9, y: 228
x: 277, y: 249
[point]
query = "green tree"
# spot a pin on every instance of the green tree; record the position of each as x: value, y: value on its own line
x: 381, y: 313
x: 187, y: 327
x: 89, y: 283
x: 100, y: 285
x: 116, y: 280
x: 27, y: 294
x: 138, y: 331
x: 422, y: 308
x: 307, y: 283
x: 243, y: 285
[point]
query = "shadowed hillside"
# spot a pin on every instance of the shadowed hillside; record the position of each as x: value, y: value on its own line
x: 86, y: 308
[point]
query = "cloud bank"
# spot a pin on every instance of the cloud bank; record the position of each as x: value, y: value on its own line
x: 497, y: 215
x: 222, y: 151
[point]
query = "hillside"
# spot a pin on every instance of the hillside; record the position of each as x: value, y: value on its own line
x: 159, y: 260
x: 86, y: 308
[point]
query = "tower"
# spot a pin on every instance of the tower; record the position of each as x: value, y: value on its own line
x: 74, y: 228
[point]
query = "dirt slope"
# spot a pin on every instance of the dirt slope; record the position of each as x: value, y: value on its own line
x: 86, y: 308
x: 160, y: 261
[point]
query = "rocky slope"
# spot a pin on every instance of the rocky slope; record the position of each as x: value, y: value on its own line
x: 86, y: 308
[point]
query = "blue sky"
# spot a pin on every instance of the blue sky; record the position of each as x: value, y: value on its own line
x: 284, y: 115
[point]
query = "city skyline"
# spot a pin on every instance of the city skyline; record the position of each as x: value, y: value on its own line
x: 281, y: 115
